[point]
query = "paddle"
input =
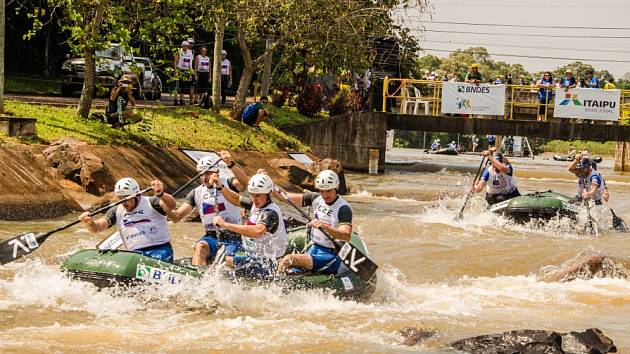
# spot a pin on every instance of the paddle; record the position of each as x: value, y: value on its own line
x: 618, y: 223
x: 21, y: 245
x: 460, y: 215
x: 114, y: 241
x: 358, y: 262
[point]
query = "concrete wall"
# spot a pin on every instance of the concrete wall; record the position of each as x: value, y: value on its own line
x: 622, y: 157
x: 347, y: 138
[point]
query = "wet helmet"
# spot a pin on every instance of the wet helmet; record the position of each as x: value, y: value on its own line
x: 584, y: 163
x: 498, y: 156
x: 126, y: 187
x: 326, y: 180
x: 208, y: 163
x: 260, y: 184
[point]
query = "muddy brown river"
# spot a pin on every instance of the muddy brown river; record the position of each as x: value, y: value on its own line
x: 481, y: 275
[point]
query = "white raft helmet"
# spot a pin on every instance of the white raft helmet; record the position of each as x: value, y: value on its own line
x: 260, y: 184
x: 126, y: 187
x: 326, y: 180
x: 208, y: 163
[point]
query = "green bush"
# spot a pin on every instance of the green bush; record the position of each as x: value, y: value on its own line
x: 561, y: 147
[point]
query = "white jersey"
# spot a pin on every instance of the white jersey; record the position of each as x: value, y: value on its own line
x: 225, y: 67
x: 203, y: 64
x: 585, y: 185
x: 270, y: 245
x: 498, y: 182
x: 205, y: 202
x: 142, y: 227
x: 185, y: 60
x: 328, y: 214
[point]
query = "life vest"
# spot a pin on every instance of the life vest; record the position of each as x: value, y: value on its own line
x: 185, y: 60
x: 205, y: 202
x: 270, y: 245
x: 203, y: 64
x: 142, y: 227
x: 584, y: 185
x: 499, y: 182
x: 328, y: 214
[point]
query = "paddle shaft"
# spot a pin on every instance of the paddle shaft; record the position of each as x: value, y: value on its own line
x: 461, y: 212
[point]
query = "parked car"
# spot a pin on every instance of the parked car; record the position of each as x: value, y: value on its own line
x: 149, y: 78
x: 111, y: 63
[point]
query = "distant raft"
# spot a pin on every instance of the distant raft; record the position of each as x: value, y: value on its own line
x: 538, y: 205
x: 596, y: 159
x: 112, y: 268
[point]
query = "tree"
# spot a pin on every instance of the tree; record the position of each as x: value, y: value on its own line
x: 426, y: 64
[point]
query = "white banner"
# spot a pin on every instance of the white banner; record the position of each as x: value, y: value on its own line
x: 586, y: 103
x: 485, y: 99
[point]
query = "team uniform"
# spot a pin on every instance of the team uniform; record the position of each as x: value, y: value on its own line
x: 143, y: 230
x: 185, y: 70
x: 500, y: 186
x: 585, y: 184
x: 262, y: 253
x: 226, y: 68
x: 338, y: 213
x: 203, y: 74
x: 204, y: 199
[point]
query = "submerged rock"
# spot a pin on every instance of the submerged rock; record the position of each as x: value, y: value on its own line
x: 587, y: 266
x: 414, y: 336
x: 304, y: 176
x: 591, y: 341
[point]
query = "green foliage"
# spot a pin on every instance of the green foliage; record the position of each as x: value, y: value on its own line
x: 401, y: 143
x: 288, y: 116
x: 189, y: 127
x: 29, y: 84
x: 561, y: 147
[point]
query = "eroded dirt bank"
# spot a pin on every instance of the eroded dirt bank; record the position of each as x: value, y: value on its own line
x: 69, y: 175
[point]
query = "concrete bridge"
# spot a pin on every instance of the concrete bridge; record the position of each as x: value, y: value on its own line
x: 349, y: 138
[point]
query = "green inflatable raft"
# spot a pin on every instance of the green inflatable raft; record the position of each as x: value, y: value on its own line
x: 112, y: 268
x: 537, y: 205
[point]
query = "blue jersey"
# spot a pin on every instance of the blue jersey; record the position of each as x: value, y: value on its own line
x: 251, y: 108
x: 545, y: 93
x: 566, y: 82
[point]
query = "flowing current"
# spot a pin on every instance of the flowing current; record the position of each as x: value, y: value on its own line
x: 478, y: 276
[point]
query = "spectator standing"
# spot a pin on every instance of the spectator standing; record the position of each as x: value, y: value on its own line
x: 591, y: 80
x: 226, y: 75
x: 183, y: 63
x: 568, y: 81
x: 492, y: 140
x: 610, y: 85
x: 510, y: 146
x: 475, y: 143
x: 545, y: 94
x: 474, y: 76
x: 498, y: 81
x: 202, y: 74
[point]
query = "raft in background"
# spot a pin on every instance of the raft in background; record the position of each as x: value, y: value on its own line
x: 596, y: 159
x: 538, y: 205
x: 113, y: 268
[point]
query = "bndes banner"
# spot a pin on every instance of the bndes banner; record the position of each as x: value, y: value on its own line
x: 473, y: 99
x: 586, y: 103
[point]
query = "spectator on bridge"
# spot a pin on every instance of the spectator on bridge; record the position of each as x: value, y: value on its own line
x: 453, y: 78
x: 545, y: 94
x: 592, y: 81
x: 610, y: 85
x: 498, y: 81
x: 492, y: 140
x: 568, y: 81
x: 474, y: 76
x: 581, y: 83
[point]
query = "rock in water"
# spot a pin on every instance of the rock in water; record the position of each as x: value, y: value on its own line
x: 591, y: 341
x: 414, y: 336
x: 586, y: 266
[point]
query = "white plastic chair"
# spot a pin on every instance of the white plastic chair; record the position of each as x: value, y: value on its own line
x: 418, y: 102
x: 414, y: 97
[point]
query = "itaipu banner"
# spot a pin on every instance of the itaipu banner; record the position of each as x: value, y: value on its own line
x: 587, y: 103
x: 485, y: 99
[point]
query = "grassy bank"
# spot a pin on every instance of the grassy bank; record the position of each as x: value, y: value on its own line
x: 561, y: 147
x: 32, y: 85
x: 184, y: 127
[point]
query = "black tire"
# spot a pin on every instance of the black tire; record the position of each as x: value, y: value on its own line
x: 66, y: 90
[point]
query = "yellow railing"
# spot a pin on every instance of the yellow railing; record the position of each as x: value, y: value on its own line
x: 424, y: 97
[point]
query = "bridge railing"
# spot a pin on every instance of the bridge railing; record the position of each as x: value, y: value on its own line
x: 424, y: 97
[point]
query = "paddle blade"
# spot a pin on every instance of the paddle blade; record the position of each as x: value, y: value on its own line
x: 357, y: 262
x: 20, y: 246
x: 618, y: 223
